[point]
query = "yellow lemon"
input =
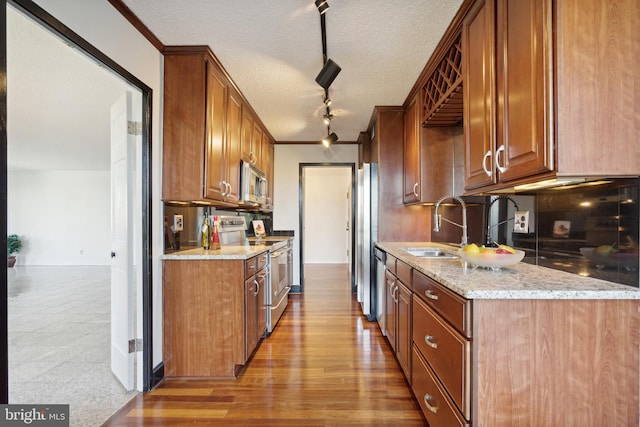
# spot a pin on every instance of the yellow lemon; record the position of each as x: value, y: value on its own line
x: 471, y: 248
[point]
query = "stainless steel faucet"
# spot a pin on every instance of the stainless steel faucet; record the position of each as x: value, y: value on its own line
x: 488, y: 241
x: 438, y: 218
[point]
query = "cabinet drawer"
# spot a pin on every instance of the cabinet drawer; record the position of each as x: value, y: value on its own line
x: 451, y: 306
x: 438, y: 409
x: 250, y: 267
x: 391, y: 264
x: 261, y: 261
x: 447, y: 351
x: 403, y: 271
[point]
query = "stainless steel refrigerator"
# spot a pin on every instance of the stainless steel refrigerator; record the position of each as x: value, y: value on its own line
x: 367, y: 223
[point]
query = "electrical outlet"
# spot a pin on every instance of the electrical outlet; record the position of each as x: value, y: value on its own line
x: 178, y: 223
x: 521, y: 222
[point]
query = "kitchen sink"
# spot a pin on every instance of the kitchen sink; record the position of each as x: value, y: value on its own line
x: 430, y: 253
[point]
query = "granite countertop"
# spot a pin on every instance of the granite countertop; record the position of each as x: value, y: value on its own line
x: 226, y: 252
x: 521, y: 281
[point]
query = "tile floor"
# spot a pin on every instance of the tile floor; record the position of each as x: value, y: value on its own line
x: 59, y: 341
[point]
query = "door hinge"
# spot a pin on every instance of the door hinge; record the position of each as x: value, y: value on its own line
x: 134, y: 128
x: 135, y: 345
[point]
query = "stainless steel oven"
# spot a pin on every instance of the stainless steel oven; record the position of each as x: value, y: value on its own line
x: 277, y: 297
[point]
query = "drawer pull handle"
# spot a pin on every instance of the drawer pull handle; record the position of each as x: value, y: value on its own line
x: 429, y: 340
x: 427, y: 398
x: 429, y: 294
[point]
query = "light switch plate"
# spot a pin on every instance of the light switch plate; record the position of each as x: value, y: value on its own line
x: 178, y: 223
x: 521, y: 222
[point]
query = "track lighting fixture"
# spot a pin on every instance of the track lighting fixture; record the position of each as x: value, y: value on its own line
x: 330, y: 139
x: 327, y: 118
x: 328, y: 73
x: 327, y: 101
x: 322, y: 6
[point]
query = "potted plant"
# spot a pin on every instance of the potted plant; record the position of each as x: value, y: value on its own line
x: 14, y: 246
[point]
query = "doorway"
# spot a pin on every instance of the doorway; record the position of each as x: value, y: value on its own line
x: 327, y: 216
x: 142, y: 170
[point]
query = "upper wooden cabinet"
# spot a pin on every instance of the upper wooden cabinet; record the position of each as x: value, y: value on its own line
x: 411, y: 153
x: 208, y: 129
x: 549, y: 85
x: 508, y: 82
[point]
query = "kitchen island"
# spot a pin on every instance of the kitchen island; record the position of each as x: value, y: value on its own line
x: 522, y: 346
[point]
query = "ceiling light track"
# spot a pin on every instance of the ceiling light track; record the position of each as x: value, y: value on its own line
x: 328, y: 73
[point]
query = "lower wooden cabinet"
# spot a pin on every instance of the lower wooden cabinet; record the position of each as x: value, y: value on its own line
x: 398, y: 314
x: 213, y: 315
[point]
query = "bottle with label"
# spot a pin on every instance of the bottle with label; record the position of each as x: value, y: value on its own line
x: 206, y: 233
x: 215, y: 236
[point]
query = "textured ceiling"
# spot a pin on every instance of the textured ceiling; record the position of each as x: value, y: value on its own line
x: 273, y: 51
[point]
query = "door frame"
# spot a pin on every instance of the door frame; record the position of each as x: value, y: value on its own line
x: 301, y: 167
x: 49, y: 22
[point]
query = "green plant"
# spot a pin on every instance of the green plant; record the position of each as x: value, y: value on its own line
x: 14, y: 244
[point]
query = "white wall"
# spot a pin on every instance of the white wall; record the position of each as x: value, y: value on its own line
x: 63, y: 217
x: 104, y: 27
x: 287, y: 159
x: 326, y: 214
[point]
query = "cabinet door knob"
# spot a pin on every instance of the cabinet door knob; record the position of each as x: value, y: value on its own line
x: 484, y: 163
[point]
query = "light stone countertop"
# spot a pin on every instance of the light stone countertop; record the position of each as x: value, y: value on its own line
x: 224, y: 253
x: 521, y: 281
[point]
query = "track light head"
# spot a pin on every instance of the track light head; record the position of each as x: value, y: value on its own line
x: 327, y: 102
x: 322, y: 6
x: 328, y: 73
x: 330, y: 139
x: 327, y: 118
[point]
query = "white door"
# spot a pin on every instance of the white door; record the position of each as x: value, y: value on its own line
x: 122, y: 278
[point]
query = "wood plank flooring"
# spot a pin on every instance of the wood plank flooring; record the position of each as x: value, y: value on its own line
x: 324, y: 365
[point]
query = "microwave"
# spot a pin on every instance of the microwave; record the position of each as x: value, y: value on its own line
x: 253, y: 184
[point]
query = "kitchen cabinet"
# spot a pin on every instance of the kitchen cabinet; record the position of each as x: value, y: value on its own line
x: 196, y: 136
x: 546, y: 85
x: 411, y: 153
x: 395, y: 221
x: 255, y: 302
x: 398, y: 312
x: 214, y: 314
x: 507, y: 91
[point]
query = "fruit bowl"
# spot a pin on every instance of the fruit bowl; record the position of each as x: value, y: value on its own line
x: 490, y: 259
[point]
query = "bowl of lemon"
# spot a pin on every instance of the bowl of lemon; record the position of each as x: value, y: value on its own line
x: 491, y: 258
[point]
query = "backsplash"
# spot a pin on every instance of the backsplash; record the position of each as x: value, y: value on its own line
x: 567, y: 224
x: 193, y: 216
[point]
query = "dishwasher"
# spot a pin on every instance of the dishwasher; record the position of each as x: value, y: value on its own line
x: 380, y: 259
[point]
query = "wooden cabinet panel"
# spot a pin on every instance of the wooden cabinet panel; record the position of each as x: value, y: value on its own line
x: 455, y: 309
x: 256, y: 144
x: 411, y: 153
x: 233, y: 147
x: 436, y: 405
x: 446, y: 351
x: 262, y: 302
x: 390, y: 309
x: 216, y: 134
x: 203, y: 318
x: 525, y: 76
x: 405, y: 315
x: 251, y: 315
x: 247, y: 135
x: 183, y: 149
x: 403, y: 271
x: 479, y: 93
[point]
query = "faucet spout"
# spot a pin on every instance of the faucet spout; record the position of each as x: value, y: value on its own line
x: 438, y: 218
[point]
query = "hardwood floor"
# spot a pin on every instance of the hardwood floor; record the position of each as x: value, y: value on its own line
x: 324, y: 365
